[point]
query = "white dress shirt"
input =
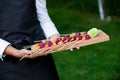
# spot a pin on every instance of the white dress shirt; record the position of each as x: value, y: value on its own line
x: 45, y: 22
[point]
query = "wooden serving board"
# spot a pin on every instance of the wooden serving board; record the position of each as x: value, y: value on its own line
x: 102, y: 37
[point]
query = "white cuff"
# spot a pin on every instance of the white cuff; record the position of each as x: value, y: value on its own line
x: 3, y: 45
x: 49, y: 28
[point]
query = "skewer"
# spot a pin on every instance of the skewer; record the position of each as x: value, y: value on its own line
x: 23, y: 57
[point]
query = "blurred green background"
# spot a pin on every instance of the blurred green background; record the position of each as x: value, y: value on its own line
x: 95, y: 62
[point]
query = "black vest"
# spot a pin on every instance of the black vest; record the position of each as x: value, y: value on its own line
x: 20, y: 26
x: 18, y: 22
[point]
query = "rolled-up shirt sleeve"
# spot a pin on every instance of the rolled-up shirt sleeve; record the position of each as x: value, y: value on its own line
x: 3, y: 45
x: 45, y: 21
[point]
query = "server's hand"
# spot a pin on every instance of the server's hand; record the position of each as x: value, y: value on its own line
x: 15, y: 52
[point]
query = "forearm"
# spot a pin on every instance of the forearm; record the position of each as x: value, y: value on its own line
x: 17, y: 53
x: 11, y: 51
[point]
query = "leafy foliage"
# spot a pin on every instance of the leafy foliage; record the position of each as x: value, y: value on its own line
x: 112, y: 7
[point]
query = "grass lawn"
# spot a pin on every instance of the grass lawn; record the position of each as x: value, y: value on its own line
x: 95, y: 62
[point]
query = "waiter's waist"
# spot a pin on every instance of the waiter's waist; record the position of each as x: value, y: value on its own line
x: 8, y: 58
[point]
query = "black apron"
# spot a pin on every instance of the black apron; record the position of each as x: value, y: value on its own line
x: 19, y: 26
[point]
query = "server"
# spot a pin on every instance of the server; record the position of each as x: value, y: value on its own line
x: 20, y: 22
